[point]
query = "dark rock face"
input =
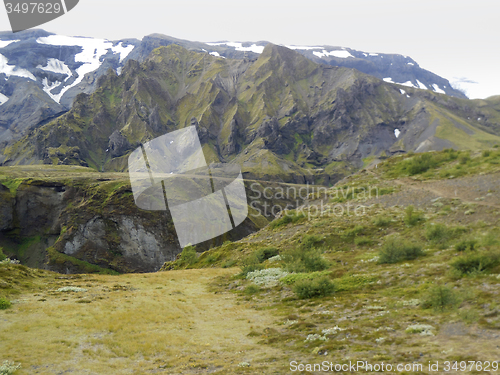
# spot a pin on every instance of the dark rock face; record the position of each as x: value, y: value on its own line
x: 67, y: 223
x: 6, y: 208
x: 118, y: 144
x: 39, y: 206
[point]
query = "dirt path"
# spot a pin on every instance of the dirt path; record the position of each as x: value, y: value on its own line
x: 166, y: 322
x: 482, y: 190
x: 443, y: 191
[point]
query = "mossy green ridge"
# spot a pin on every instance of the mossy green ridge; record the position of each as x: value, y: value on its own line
x: 280, y: 117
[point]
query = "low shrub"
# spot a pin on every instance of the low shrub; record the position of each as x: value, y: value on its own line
x: 4, y: 303
x: 266, y: 253
x: 396, y: 249
x: 354, y: 232
x: 476, y: 262
x: 422, y: 329
x: 188, y: 256
x: 306, y: 257
x: 464, y: 159
x: 292, y: 278
x: 310, y: 241
x: 439, y: 234
x: 2, y: 255
x: 286, y: 219
x: 252, y: 289
x: 412, y: 218
x: 299, y: 260
x: 381, y: 221
x: 467, y: 245
x: 439, y: 297
x: 319, y: 287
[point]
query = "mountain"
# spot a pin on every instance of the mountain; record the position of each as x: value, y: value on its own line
x: 280, y: 117
x: 392, y: 68
x: 44, y: 72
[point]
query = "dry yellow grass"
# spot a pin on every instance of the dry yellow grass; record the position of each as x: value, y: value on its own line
x: 165, y: 322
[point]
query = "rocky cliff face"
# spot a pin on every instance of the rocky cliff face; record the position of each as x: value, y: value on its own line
x: 87, y: 225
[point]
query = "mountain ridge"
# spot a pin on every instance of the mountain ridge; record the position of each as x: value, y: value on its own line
x: 281, y: 116
x: 62, y: 67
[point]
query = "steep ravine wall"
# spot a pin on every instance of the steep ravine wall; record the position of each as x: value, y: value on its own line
x: 85, y: 225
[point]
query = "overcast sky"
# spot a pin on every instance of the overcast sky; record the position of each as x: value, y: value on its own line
x: 456, y: 39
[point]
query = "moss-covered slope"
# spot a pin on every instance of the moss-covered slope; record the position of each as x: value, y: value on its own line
x: 281, y: 117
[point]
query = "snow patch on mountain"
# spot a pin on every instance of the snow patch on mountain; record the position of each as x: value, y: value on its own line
x: 56, y: 66
x: 437, y: 89
x: 5, y: 43
x: 341, y: 54
x: 92, y: 51
x: 122, y: 50
x: 49, y: 86
x: 12, y: 70
x: 421, y: 85
x: 305, y: 48
x: 3, y: 98
x: 239, y: 46
x: 408, y: 84
x: 397, y: 132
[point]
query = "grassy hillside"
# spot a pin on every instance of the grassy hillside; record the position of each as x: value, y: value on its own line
x: 406, y: 275
x: 412, y: 277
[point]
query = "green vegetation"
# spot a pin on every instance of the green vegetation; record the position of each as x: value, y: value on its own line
x: 396, y: 249
x: 439, y: 234
x: 292, y: 278
x: 4, y: 303
x: 317, y: 287
x: 266, y: 253
x: 444, y: 164
x: 440, y: 298
x: 252, y: 289
x: 417, y: 164
x: 381, y: 221
x: 467, y: 244
x: 475, y: 263
x: 306, y: 257
x: 188, y: 256
x: 251, y: 264
x: 412, y: 218
x: 287, y: 219
x: 57, y: 258
x: 309, y: 285
x: 2, y: 255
